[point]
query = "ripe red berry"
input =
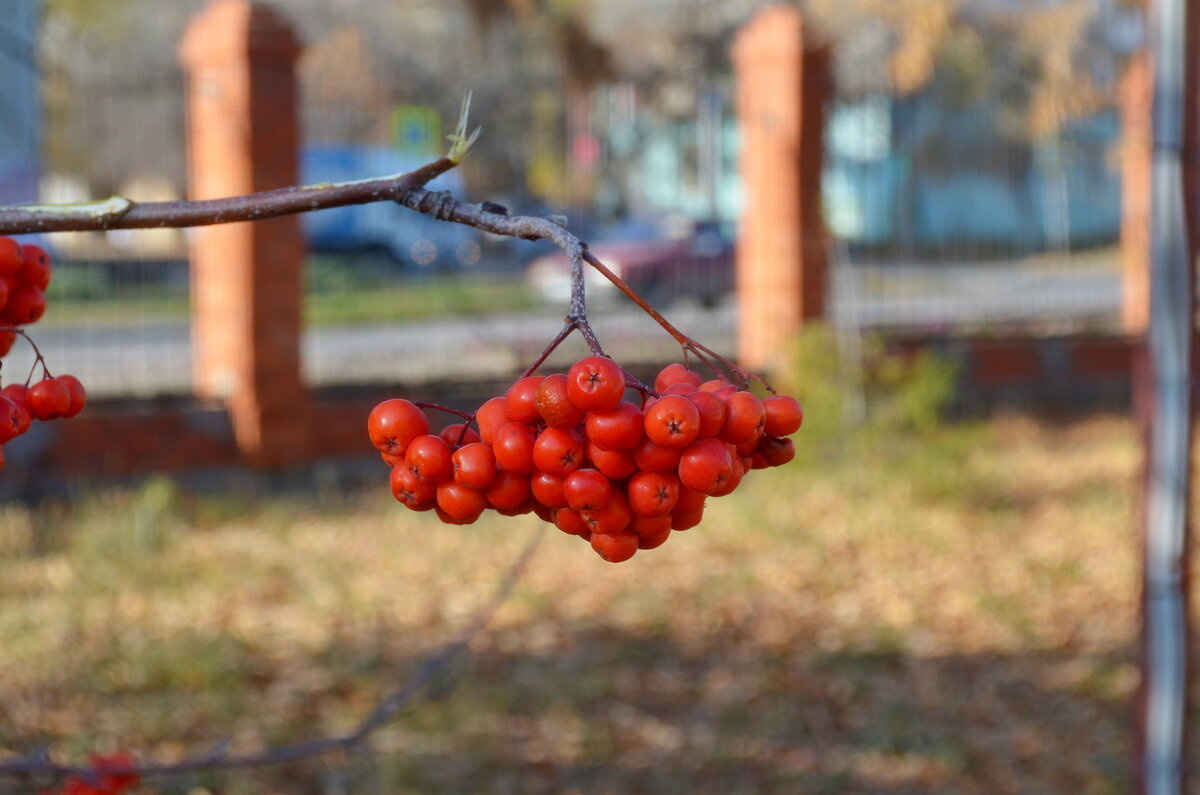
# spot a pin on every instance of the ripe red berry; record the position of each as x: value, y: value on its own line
x: 455, y: 437
x: 570, y: 521
x: 554, y: 405
x: 712, y: 413
x: 10, y: 420
x: 513, y: 447
x: 655, y: 541
x: 7, y: 338
x: 744, y: 418
x: 558, y: 451
x: 653, y: 493
x: 673, y: 421
x: 429, y: 459
x: 656, y: 458
x: 548, y: 490
x: 519, y: 400
x: 612, y: 517
x: 19, y: 395
x: 461, y: 504
x: 615, y: 547
x: 649, y: 526
x: 686, y: 521
x: 509, y: 491
x: 475, y: 465
x: 676, y: 373
x: 595, y: 383
x: 77, y: 392
x: 393, y: 424
x: 619, y: 428
x: 705, y: 465
x: 615, y: 464
x: 586, y: 489
x: 48, y: 400
x: 491, y: 417
x: 10, y: 257
x: 35, y: 266
x: 25, y: 305
x: 417, y: 494
x: 784, y: 416
x: 776, y: 452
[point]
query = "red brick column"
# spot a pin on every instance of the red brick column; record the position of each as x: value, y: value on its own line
x: 782, y: 88
x: 1137, y: 90
x: 246, y: 278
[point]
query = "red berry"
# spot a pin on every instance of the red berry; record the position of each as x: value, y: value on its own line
x: 656, y: 458
x: 619, y: 428
x: 519, y: 400
x: 673, y: 421
x: 612, y: 517
x: 615, y: 464
x: 77, y: 392
x: 676, y: 373
x: 7, y: 338
x: 491, y: 417
x: 513, y: 447
x: 417, y: 494
x: 712, y: 413
x: 655, y: 541
x: 653, y: 493
x: 455, y: 437
x: 509, y: 491
x: 48, y: 400
x: 10, y: 419
x: 429, y: 459
x: 393, y: 424
x: 648, y: 526
x: 461, y: 504
x: 784, y: 416
x: 10, y: 257
x: 19, y: 395
x: 705, y: 465
x: 686, y: 521
x: 570, y: 521
x: 595, y: 383
x: 615, y: 547
x: 35, y: 266
x: 548, y: 490
x: 586, y: 489
x: 744, y: 418
x: 25, y: 305
x: 558, y: 451
x: 776, y: 452
x: 474, y: 465
x: 554, y: 405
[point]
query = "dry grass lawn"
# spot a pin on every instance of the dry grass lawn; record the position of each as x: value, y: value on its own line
x: 953, y: 611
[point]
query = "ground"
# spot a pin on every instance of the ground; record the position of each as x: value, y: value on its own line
x: 946, y: 611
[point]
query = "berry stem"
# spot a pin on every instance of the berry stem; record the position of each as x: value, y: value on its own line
x: 37, y: 352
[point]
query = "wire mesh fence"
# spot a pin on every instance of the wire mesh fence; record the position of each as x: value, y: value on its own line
x: 952, y: 202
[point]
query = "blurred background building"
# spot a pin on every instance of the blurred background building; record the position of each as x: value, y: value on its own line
x: 971, y: 178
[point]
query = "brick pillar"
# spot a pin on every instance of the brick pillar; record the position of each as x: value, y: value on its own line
x: 1136, y: 95
x: 246, y: 278
x: 782, y: 271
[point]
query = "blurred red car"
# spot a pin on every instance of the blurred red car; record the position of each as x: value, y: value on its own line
x: 664, y: 262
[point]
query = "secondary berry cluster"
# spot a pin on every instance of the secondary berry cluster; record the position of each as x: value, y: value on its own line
x: 25, y: 273
x: 570, y: 448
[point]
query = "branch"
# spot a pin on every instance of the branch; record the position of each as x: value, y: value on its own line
x: 121, y: 213
x: 39, y: 764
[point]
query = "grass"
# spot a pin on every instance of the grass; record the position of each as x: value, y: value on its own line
x: 952, y: 610
x: 333, y: 298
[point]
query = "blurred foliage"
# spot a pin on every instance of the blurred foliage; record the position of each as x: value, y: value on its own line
x: 871, y: 391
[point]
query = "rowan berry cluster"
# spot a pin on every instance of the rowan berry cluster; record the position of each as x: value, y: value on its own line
x: 620, y: 474
x: 24, y: 276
